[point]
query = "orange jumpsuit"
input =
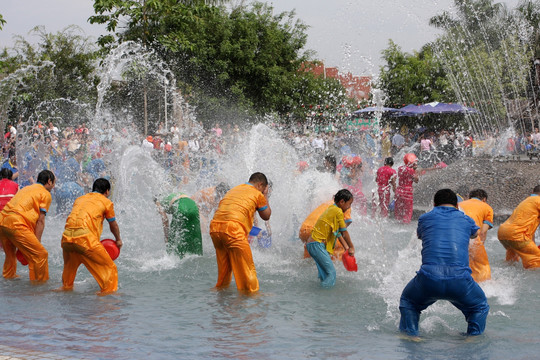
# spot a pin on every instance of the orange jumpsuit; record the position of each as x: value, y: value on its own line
x: 309, y: 223
x: 516, y: 234
x: 81, y: 242
x: 229, y: 232
x: 481, y: 213
x: 17, y: 230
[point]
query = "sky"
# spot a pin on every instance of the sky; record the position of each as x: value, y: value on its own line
x: 346, y: 34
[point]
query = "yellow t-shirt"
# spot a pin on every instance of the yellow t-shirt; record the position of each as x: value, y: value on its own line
x: 329, y: 226
x: 478, y: 210
x: 522, y: 224
x: 88, y: 214
x: 239, y: 205
x: 24, y: 209
x: 311, y: 220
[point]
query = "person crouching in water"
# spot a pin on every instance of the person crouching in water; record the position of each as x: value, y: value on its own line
x: 81, y: 238
x: 229, y: 232
x: 329, y: 227
x: 445, y: 273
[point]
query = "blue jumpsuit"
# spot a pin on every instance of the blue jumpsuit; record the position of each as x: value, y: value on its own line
x: 445, y: 274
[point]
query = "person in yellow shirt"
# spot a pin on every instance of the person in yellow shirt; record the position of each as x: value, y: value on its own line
x: 229, y: 231
x: 516, y: 234
x: 329, y: 227
x: 81, y: 238
x: 22, y: 222
x: 309, y: 223
x: 476, y: 207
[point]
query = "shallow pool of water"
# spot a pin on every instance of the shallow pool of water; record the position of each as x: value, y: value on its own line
x: 167, y: 308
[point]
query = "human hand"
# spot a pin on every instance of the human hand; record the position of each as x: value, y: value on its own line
x: 351, y: 251
x: 119, y: 243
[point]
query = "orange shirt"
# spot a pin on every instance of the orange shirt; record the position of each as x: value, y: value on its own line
x: 239, y: 205
x: 522, y: 224
x: 23, y: 210
x: 478, y: 210
x: 88, y: 213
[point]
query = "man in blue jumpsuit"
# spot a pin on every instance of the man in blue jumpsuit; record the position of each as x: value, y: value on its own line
x: 445, y: 273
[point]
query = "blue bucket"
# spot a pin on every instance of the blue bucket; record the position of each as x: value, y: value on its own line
x: 265, y: 240
x: 254, y: 231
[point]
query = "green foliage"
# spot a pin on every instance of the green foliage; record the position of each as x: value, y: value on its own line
x: 61, y: 66
x: 413, y: 79
x: 2, y: 21
x: 235, y: 64
x: 487, y: 54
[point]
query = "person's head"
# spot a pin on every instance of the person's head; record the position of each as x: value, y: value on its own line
x: 343, y: 199
x: 536, y: 190
x: 47, y: 179
x: 12, y: 154
x: 221, y: 190
x: 258, y: 180
x: 389, y: 161
x: 101, y: 186
x: 479, y: 194
x: 445, y: 197
x: 330, y: 163
x: 6, y: 174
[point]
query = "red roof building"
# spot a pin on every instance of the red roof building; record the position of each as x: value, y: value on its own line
x: 358, y: 87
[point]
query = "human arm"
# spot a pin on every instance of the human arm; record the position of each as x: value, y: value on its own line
x: 164, y: 219
x: 265, y: 212
x: 483, y: 232
x: 40, y: 225
x: 115, y: 230
x: 345, y: 240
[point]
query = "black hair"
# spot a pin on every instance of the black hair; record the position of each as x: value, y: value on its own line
x: 12, y: 153
x: 343, y: 194
x: 478, y: 193
x: 331, y: 160
x: 536, y: 189
x: 445, y: 196
x: 101, y: 185
x: 44, y: 176
x: 258, y: 177
x: 221, y: 189
x: 389, y: 161
x: 5, y: 173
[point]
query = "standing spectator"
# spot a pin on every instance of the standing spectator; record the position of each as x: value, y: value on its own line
x: 397, y: 142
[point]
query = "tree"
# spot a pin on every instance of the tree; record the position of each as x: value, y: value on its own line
x: 413, y: 79
x: 54, y: 79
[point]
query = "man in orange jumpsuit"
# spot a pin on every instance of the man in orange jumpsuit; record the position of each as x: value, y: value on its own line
x: 229, y: 232
x: 517, y: 233
x: 482, y: 214
x: 81, y: 238
x: 22, y: 222
x: 309, y: 223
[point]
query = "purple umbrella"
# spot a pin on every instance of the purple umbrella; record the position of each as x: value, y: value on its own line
x: 375, y: 109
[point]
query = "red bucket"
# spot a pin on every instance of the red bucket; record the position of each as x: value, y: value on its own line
x: 21, y: 257
x: 111, y: 247
x: 349, y: 262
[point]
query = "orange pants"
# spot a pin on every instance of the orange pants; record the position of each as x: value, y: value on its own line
x: 26, y: 241
x: 97, y: 261
x: 233, y: 255
x: 478, y: 261
x: 526, y: 250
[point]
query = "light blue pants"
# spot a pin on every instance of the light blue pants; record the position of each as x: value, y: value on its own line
x: 327, y: 271
x: 422, y: 291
